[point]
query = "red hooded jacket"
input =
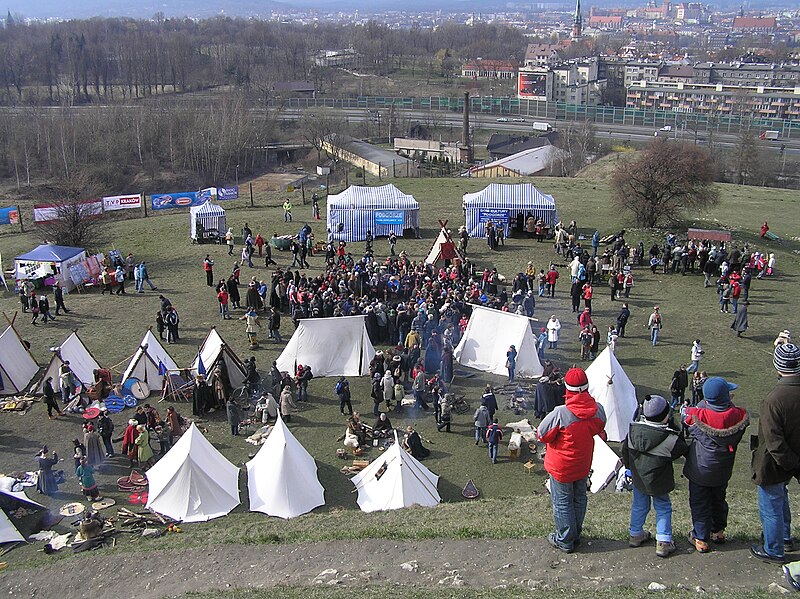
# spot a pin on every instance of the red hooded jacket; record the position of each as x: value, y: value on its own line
x: 569, y: 432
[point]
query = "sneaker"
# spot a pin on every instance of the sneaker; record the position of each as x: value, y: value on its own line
x: 665, y: 548
x: 757, y: 551
x: 551, y: 538
x: 700, y: 545
x: 640, y: 539
x: 718, y: 537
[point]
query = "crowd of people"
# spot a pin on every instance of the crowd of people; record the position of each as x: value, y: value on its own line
x: 419, y: 312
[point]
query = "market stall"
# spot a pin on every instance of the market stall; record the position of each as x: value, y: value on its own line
x: 380, y: 210
x: 508, y: 206
x: 49, y: 264
x: 207, y: 223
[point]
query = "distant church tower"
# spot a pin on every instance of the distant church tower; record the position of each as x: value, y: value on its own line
x: 577, y: 22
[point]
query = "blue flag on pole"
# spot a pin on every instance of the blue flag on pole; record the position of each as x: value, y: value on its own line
x: 162, y: 370
x: 201, y: 368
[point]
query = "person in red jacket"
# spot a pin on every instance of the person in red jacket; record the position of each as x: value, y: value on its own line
x: 550, y: 278
x: 585, y: 318
x: 569, y: 432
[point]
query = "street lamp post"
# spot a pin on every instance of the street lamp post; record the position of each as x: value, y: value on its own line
x: 237, y: 175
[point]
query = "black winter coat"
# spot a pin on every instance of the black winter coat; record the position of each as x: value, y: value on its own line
x: 649, y: 450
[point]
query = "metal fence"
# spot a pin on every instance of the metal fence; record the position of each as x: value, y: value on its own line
x: 556, y: 111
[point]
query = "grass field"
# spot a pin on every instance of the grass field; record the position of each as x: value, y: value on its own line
x: 113, y: 326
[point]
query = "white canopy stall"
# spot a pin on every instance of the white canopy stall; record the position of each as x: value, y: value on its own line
x: 207, y: 223
x: 380, y: 210
x: 502, y: 202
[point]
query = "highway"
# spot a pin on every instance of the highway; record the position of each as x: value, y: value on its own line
x: 619, y: 133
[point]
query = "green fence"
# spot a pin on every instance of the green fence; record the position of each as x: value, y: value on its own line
x: 555, y: 111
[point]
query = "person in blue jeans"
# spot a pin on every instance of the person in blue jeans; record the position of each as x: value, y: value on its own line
x: 511, y: 362
x: 494, y: 434
x: 648, y: 451
x: 569, y: 432
x: 482, y: 421
x: 654, y: 324
x: 776, y: 459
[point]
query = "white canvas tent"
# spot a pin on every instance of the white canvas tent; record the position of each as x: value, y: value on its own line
x: 193, y: 482
x: 17, y: 366
x: 381, y: 210
x: 282, y: 478
x: 605, y: 464
x: 444, y: 248
x: 394, y: 480
x: 81, y: 362
x: 9, y: 532
x: 206, y: 217
x: 486, y: 340
x: 612, y: 388
x: 212, y: 351
x: 311, y: 345
x: 144, y: 363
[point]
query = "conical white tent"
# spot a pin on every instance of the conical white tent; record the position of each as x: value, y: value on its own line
x: 213, y: 350
x: 9, y: 532
x: 81, y: 362
x: 612, y: 388
x: 444, y: 248
x: 144, y: 363
x: 311, y: 345
x: 17, y: 366
x: 282, y: 478
x: 487, y: 338
x: 395, y: 480
x: 193, y: 482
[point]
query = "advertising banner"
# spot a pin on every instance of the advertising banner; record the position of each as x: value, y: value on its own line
x: 389, y: 217
x: 45, y: 213
x: 9, y: 216
x: 184, y: 199
x: 498, y: 216
x: 122, y: 202
x: 228, y: 193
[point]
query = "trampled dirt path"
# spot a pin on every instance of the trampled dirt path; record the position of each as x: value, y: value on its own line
x: 470, y: 564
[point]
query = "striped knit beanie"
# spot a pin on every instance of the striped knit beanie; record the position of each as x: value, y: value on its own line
x: 787, y: 359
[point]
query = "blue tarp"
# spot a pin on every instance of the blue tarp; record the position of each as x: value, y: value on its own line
x: 50, y: 253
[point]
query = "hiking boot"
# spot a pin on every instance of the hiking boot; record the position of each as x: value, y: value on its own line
x: 700, y: 545
x: 718, y: 537
x: 638, y: 540
x: 665, y: 548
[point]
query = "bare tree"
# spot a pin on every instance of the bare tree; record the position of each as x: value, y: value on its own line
x: 77, y: 223
x: 320, y: 124
x: 668, y: 179
x: 576, y: 145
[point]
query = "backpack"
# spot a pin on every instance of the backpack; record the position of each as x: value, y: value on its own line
x: 339, y: 389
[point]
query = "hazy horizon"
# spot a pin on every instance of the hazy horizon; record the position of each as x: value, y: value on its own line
x: 58, y: 9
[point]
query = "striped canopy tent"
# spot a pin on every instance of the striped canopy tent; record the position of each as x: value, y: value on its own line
x: 381, y: 210
x: 517, y: 198
x: 207, y: 217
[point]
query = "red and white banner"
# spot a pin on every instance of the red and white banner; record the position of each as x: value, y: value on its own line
x: 122, y: 202
x: 45, y: 213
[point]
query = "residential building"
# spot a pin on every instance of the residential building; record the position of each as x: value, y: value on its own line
x: 745, y: 73
x: 489, y: 69
x: 674, y: 73
x: 540, y: 55
x: 715, y: 99
x: 572, y: 82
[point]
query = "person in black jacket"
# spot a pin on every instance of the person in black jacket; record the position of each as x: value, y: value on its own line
x: 50, y: 398
x: 648, y: 451
x: 680, y: 381
x: 717, y: 427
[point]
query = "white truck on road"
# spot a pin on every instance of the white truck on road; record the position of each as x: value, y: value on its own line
x: 541, y: 126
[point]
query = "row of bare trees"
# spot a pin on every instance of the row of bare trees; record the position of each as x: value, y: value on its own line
x: 105, y: 60
x: 114, y: 145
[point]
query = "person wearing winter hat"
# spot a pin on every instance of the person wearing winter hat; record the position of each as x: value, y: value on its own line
x: 569, y: 432
x: 648, y: 451
x: 776, y: 458
x: 717, y: 427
